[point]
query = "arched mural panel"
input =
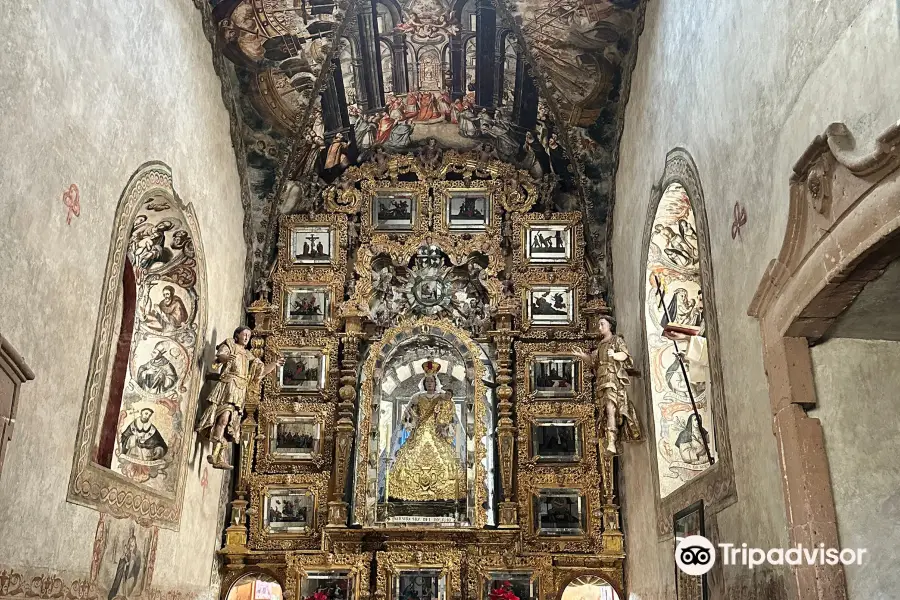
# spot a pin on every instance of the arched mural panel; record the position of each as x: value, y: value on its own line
x: 673, y: 263
x: 141, y: 395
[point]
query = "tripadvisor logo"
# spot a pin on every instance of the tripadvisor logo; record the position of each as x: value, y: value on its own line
x: 695, y: 555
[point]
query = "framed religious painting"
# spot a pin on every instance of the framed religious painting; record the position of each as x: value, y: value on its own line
x: 550, y: 305
x: 337, y: 584
x: 419, y: 584
x: 548, y: 243
x: 307, y: 305
x: 467, y: 210
x: 556, y: 440
x: 295, y: 438
x: 288, y: 510
x: 312, y: 245
x: 510, y: 585
x: 304, y: 370
x: 554, y: 376
x: 689, y: 522
x: 394, y: 211
x: 560, y: 512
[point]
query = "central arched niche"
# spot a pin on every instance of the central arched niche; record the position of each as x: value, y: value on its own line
x: 392, y: 407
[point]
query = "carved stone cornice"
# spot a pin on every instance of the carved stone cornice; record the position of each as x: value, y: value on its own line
x: 828, y: 182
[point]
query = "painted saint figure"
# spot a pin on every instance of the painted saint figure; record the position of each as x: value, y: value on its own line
x: 610, y: 361
x: 170, y: 312
x: 158, y: 375
x: 239, y: 370
x: 141, y: 440
x: 427, y: 466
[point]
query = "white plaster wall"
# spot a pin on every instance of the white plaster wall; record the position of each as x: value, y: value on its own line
x: 862, y: 447
x: 744, y: 85
x: 88, y: 92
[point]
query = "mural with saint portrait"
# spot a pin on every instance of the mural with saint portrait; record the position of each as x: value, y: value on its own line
x: 674, y: 261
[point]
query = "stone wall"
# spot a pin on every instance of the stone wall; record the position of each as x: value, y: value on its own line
x: 744, y: 87
x: 89, y: 92
x: 862, y: 447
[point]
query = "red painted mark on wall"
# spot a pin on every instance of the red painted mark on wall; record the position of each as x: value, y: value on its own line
x: 740, y: 219
x: 204, y: 482
x: 72, y: 199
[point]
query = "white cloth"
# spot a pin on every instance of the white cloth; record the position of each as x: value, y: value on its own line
x: 697, y: 358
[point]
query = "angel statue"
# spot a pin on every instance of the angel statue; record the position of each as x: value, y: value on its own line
x: 239, y: 370
x: 610, y: 361
x: 427, y: 465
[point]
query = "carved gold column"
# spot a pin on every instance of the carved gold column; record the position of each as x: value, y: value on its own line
x: 506, y: 428
x: 613, y: 539
x: 344, y: 430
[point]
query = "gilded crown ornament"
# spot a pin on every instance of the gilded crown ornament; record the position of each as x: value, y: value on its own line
x: 431, y: 367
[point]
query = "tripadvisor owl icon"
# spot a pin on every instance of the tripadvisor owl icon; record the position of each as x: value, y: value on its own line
x: 695, y: 555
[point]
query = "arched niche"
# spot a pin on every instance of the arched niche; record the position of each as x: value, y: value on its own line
x: 393, y: 372
x: 673, y: 262
x: 255, y: 586
x: 676, y: 251
x: 135, y: 432
x: 589, y: 587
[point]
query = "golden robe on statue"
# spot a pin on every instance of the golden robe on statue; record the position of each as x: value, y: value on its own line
x: 427, y: 467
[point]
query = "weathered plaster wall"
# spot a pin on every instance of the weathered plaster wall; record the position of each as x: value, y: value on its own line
x: 88, y: 92
x: 862, y: 449
x: 744, y: 86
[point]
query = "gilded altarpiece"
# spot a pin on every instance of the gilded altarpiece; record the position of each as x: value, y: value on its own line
x: 433, y: 432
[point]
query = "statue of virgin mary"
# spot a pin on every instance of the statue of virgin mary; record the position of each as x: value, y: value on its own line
x: 426, y: 465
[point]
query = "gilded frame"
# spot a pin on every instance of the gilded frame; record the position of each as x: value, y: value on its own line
x: 393, y: 562
x: 481, y: 566
x: 260, y: 485
x: 269, y: 413
x: 577, y: 426
x: 523, y: 223
x: 527, y: 352
x: 299, y: 565
x: 418, y: 190
x: 338, y: 225
x: 90, y: 484
x: 324, y: 357
x: 588, y: 483
x: 331, y: 282
x: 363, y: 485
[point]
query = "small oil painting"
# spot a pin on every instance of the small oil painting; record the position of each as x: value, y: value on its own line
x: 420, y: 584
x: 311, y: 245
x: 394, y: 211
x: 551, y: 305
x: 295, y: 437
x: 548, y: 244
x: 468, y: 210
x: 289, y: 510
x: 556, y: 440
x: 304, y: 370
x: 327, y: 585
x: 502, y: 585
x: 559, y: 512
x: 307, y: 306
x: 555, y: 376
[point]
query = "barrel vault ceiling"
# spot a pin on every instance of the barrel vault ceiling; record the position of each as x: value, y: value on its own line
x: 277, y: 59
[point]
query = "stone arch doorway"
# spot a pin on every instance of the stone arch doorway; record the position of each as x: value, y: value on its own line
x: 843, y: 232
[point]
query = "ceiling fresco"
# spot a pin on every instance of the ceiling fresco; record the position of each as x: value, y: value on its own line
x: 320, y: 85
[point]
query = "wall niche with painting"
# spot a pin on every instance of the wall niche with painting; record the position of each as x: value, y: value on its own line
x: 134, y: 433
